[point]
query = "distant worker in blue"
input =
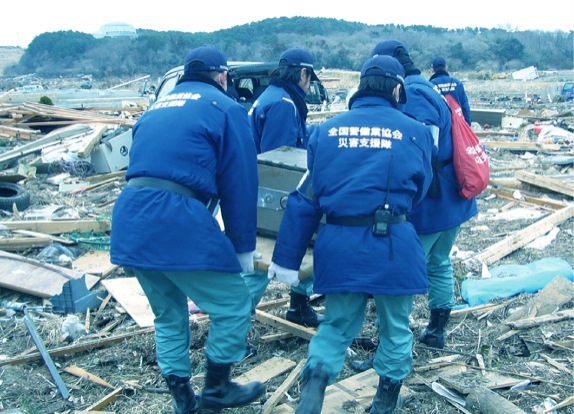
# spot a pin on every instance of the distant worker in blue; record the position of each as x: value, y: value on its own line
x: 449, y: 85
x: 367, y: 169
x: 278, y: 118
x: 438, y: 218
x: 191, y: 148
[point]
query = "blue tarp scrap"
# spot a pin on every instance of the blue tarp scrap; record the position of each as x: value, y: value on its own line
x: 510, y: 280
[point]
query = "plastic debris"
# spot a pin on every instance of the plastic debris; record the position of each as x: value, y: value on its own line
x: 72, y: 328
x: 544, y: 241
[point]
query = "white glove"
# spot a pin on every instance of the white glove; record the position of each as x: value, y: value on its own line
x: 246, y: 261
x: 291, y: 277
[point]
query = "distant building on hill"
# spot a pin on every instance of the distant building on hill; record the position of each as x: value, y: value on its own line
x: 115, y: 30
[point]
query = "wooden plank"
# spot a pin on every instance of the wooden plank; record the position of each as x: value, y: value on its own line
x: 17, y: 244
x: 94, y: 186
x: 128, y: 292
x: 279, y: 393
x: 269, y: 369
x: 56, y: 239
x: 529, y: 146
x: 71, y: 349
x: 541, y: 320
x: 556, y: 364
x: 107, y: 400
x: 484, y: 401
x: 96, y: 262
x: 275, y: 337
x: 555, y: 204
x: 36, y: 278
x: 545, y: 182
x: 465, y: 382
x: 20, y: 133
x: 60, y: 226
x: 568, y: 401
x: 102, y: 177
x: 524, y: 236
x: 272, y: 320
x: 91, y: 141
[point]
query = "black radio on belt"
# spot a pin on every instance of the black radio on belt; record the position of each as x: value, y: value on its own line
x: 382, y: 222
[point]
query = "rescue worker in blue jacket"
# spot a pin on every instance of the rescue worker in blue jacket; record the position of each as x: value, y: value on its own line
x: 367, y: 169
x: 438, y: 217
x: 449, y: 85
x: 190, y: 148
x: 278, y: 118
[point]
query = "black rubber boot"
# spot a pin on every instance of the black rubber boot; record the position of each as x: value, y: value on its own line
x: 387, y: 397
x: 363, y: 365
x: 301, y: 312
x: 433, y: 335
x: 184, y: 399
x: 219, y: 392
x: 313, y: 391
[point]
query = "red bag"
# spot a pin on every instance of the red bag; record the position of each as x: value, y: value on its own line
x: 468, y: 156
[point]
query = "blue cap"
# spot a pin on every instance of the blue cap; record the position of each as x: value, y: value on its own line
x: 298, y: 57
x: 438, y: 62
x: 389, y: 47
x: 388, y: 67
x: 205, y: 58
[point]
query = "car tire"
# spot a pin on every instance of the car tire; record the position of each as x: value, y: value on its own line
x: 11, y: 194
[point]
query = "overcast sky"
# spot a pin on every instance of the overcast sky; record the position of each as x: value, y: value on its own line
x: 22, y: 21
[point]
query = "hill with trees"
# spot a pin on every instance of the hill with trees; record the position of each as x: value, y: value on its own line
x: 335, y: 44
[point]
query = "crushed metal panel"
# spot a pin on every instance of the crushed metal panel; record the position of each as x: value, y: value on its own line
x: 113, y: 154
x: 279, y: 171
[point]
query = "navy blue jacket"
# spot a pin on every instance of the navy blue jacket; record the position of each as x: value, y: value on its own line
x: 198, y: 137
x: 448, y: 85
x: 350, y: 158
x: 276, y: 108
x: 449, y: 210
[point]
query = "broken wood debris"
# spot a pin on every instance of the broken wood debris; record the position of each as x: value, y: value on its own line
x: 28, y: 111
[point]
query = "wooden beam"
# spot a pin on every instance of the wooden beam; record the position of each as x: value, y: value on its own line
x: 107, y: 400
x: 293, y: 328
x: 101, y: 177
x: 264, y: 372
x: 17, y: 244
x: 279, y: 393
x: 545, y: 182
x: 484, y: 401
x: 555, y: 204
x: 94, y: 186
x: 94, y: 139
x: 20, y: 133
x: 59, y: 226
x: 541, y: 320
x: 56, y: 239
x: 525, y: 236
x: 66, y: 350
x: 516, y: 145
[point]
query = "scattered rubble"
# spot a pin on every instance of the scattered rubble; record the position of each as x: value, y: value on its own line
x: 511, y: 351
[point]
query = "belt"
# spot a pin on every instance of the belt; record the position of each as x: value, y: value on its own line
x: 168, y: 186
x: 362, y: 221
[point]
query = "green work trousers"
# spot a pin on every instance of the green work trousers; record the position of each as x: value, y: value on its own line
x: 344, y: 314
x: 437, y: 248
x: 305, y: 286
x: 223, y: 296
x: 256, y: 283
